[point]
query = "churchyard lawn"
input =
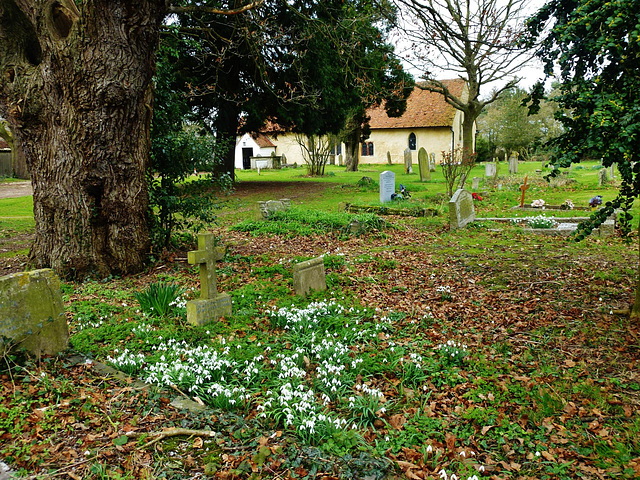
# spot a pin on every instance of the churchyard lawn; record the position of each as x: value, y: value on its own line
x: 432, y: 354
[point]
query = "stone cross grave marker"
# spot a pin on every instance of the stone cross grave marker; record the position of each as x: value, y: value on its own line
x: 461, y: 211
x: 423, y: 164
x: 32, y: 312
x: 490, y: 170
x: 387, y: 185
x: 309, y: 275
x: 211, y: 305
x: 432, y: 162
x: 389, y: 157
x: 407, y: 161
x: 524, y: 187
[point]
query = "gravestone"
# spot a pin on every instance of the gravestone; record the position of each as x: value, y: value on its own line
x: 432, y: 162
x: 269, y: 207
x: 389, y: 162
x: 513, y: 164
x: 283, y: 159
x: 490, y: 170
x: 461, y: 211
x: 475, y: 183
x: 340, y: 160
x: 602, y: 177
x: 407, y: 161
x: 211, y: 305
x: 32, y: 312
x: 423, y: 164
x: 309, y: 276
x: 611, y: 172
x: 387, y: 185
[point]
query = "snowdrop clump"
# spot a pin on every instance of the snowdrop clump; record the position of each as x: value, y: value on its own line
x: 453, y: 352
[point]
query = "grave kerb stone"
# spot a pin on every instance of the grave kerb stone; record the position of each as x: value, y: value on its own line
x: 309, y: 275
x: 461, y: 211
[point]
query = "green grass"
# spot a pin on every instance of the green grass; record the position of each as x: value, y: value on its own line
x: 16, y: 215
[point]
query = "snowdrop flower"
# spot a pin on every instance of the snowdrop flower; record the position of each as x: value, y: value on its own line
x: 537, y: 454
x: 481, y: 468
x: 443, y: 474
x: 429, y: 449
x: 462, y: 454
x: 453, y: 477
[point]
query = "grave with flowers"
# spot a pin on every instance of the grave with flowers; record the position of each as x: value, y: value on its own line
x: 462, y: 213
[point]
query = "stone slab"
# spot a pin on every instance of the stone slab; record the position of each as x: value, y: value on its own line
x: 308, y: 276
x: 423, y: 165
x: 269, y: 207
x: 32, y: 312
x: 461, y: 211
x: 203, y: 311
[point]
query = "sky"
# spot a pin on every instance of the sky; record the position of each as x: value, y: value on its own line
x: 529, y: 74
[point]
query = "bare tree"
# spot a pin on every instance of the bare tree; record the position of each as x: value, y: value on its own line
x: 478, y: 40
x: 316, y: 150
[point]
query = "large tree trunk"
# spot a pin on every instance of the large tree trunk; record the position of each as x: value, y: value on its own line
x: 226, y: 126
x: 468, y: 144
x: 352, y: 148
x: 81, y: 113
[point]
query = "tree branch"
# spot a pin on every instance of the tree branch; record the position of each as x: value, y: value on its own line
x: 217, y: 11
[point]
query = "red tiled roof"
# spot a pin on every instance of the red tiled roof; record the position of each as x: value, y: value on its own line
x: 3, y: 144
x: 262, y: 140
x: 424, y: 109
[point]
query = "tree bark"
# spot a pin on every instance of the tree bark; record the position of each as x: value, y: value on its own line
x: 352, y: 146
x: 81, y: 113
x: 226, y: 126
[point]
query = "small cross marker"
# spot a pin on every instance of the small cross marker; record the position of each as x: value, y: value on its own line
x: 524, y: 187
x: 211, y: 304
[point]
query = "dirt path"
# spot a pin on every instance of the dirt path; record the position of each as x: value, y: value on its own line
x: 15, y: 189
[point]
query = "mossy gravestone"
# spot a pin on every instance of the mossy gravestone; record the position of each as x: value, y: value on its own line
x: 308, y: 276
x: 32, y: 313
x: 423, y: 163
x: 461, y: 211
x: 211, y: 305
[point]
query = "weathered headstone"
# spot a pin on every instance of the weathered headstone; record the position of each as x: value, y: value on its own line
x: 387, y: 185
x: 611, y: 173
x: 423, y: 164
x: 32, y: 312
x: 432, y: 162
x: 602, y: 177
x: 309, y: 276
x: 490, y: 170
x: 340, y: 160
x: 269, y: 207
x: 211, y: 305
x: 513, y: 164
x: 389, y: 157
x: 461, y: 211
x: 475, y: 183
x: 407, y: 161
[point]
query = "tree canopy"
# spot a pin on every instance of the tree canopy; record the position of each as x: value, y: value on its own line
x: 478, y: 40
x: 595, y: 47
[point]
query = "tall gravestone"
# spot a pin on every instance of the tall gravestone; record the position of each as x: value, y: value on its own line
x: 423, y: 164
x: 211, y: 305
x: 387, y: 186
x: 389, y: 157
x: 461, y: 211
x: 475, y: 183
x: 432, y: 162
x: 602, y: 177
x: 513, y: 164
x: 32, y: 312
x: 407, y: 161
x: 490, y: 170
x: 309, y: 276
